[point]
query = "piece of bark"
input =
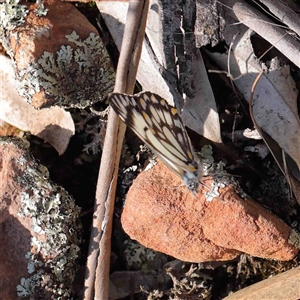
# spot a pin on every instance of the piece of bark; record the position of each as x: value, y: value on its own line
x: 209, y: 24
x: 280, y: 287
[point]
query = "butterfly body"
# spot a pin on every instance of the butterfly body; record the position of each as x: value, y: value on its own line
x: 160, y: 127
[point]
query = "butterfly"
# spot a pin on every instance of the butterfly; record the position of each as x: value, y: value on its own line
x: 160, y: 127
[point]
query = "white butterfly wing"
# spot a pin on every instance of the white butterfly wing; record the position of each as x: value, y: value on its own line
x: 159, y: 126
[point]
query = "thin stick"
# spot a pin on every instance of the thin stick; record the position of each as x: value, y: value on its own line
x: 251, y: 96
x: 97, y: 270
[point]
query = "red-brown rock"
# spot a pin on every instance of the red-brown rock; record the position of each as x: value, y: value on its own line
x: 39, y: 228
x: 163, y: 215
x: 59, y: 56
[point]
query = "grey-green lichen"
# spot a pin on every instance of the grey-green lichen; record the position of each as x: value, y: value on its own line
x: 77, y: 75
x: 28, y: 286
x: 12, y: 15
x: 55, y: 218
x: 294, y: 238
x: 91, y: 125
x: 41, y: 10
x: 137, y: 255
x: 221, y: 177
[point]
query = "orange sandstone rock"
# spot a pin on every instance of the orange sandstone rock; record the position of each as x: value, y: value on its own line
x: 39, y: 228
x: 162, y: 214
x: 59, y: 56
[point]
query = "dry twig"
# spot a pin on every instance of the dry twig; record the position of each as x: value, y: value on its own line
x: 97, y: 270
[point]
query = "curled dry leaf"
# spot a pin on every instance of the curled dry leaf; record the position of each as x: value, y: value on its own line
x: 54, y: 125
x: 274, y: 109
x: 286, y: 12
x: 287, y: 165
x: 258, y: 21
x: 274, y: 105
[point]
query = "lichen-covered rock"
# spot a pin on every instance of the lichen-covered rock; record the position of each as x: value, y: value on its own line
x: 59, y: 56
x: 40, y: 231
x: 160, y: 213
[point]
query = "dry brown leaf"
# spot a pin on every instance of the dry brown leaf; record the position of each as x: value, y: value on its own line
x: 259, y: 22
x: 114, y: 15
x: 200, y: 113
x: 285, y: 163
x: 54, y: 125
x: 274, y: 108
